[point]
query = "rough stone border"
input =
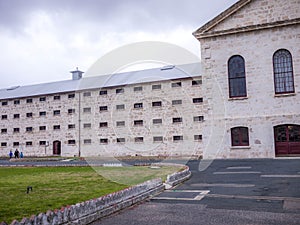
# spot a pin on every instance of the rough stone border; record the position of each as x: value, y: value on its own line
x: 177, y: 178
x: 89, y: 211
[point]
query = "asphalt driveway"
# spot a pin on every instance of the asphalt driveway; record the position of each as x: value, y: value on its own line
x: 264, y: 191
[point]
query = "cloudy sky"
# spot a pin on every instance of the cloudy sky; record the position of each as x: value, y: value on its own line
x: 42, y: 40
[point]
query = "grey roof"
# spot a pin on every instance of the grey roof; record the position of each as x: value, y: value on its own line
x: 112, y: 80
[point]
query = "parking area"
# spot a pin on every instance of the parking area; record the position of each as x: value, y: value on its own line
x: 262, y: 191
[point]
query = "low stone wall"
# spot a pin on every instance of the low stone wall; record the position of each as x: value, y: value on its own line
x: 89, y: 211
x: 178, y: 177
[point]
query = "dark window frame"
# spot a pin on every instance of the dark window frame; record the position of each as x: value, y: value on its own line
x: 237, y: 77
x: 239, y: 135
x: 283, y: 72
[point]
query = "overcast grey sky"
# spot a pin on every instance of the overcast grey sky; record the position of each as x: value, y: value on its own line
x: 42, y: 40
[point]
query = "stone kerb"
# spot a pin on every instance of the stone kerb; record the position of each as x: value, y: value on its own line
x: 89, y: 211
x: 178, y: 177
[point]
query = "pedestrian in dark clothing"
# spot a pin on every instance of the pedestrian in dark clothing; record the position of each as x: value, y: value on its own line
x: 16, y: 154
x: 10, y: 154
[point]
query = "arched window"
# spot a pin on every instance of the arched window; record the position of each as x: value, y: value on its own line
x: 283, y: 72
x: 239, y: 136
x: 237, y: 77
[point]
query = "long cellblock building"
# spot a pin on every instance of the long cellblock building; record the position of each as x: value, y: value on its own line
x: 150, y: 112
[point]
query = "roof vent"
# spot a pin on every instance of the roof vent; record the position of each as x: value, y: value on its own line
x: 168, y: 67
x: 12, y: 88
x: 76, y: 74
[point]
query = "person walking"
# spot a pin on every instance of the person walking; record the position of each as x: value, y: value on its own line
x: 10, y: 154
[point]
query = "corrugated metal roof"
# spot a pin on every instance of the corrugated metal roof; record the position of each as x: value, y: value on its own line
x: 118, y: 79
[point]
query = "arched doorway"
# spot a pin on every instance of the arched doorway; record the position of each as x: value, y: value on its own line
x: 287, y: 139
x: 56, y: 147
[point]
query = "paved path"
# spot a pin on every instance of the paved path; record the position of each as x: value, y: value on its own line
x: 228, y: 192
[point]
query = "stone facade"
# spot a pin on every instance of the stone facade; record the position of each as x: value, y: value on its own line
x: 154, y: 118
x: 255, y: 30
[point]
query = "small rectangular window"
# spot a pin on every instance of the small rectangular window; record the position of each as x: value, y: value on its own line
x: 120, y: 107
x: 71, y: 126
x: 87, y: 141
x: 156, y: 104
x: 16, y: 116
x: 139, y: 88
x: 197, y: 137
x: 3, y: 131
x: 103, y: 141
x: 198, y: 118
x: 177, y: 120
x: 120, y: 140
x: 138, y: 139
x: 103, y: 108
x: 87, y: 110
x: 42, y: 99
x: 138, y: 123
x: 42, y: 128
x: 56, y: 112
x: 29, y: 100
x: 16, y: 130
x: 28, y: 143
x: 103, y: 92
x: 71, y: 95
x: 158, y: 139
x: 4, y: 117
x: 87, y: 125
x: 157, y: 121
x: 56, y: 97
x: 176, y: 84
x: 29, y: 129
x: 16, y: 144
x: 119, y: 90
x: 138, y: 105
x: 71, y: 142
x: 71, y: 111
x: 17, y: 102
x: 4, y: 103
x: 43, y: 113
x: 196, y: 82
x: 3, y: 144
x: 177, y: 102
x: 28, y: 115
x: 197, y: 100
x: 156, y: 86
x: 177, y: 138
x: 120, y: 123
x: 42, y: 143
x: 103, y: 124
x: 87, y: 94
x: 56, y: 127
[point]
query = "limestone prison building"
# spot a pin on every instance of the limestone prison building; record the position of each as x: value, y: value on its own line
x: 242, y: 103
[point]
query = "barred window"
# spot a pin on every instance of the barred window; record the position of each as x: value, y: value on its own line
x: 87, y: 94
x: 283, y: 72
x: 138, y: 105
x: 120, y: 123
x: 177, y: 102
x: 156, y: 86
x: 139, y: 88
x: 197, y: 100
x: 103, y: 124
x: 157, y: 121
x: 156, y: 104
x: 103, y: 108
x: 103, y: 92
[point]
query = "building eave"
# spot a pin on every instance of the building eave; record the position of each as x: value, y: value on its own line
x: 247, y: 28
x: 221, y: 17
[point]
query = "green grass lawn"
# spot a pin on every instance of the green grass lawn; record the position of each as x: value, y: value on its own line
x: 54, y: 187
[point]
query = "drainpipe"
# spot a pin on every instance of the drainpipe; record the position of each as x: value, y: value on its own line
x: 79, y: 128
